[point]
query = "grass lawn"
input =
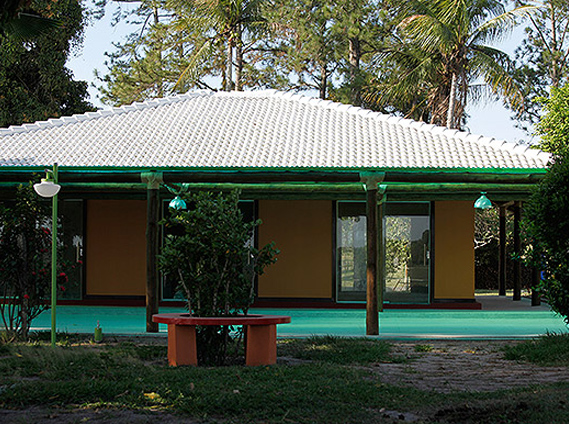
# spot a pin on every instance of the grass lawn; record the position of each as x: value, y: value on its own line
x: 319, y: 380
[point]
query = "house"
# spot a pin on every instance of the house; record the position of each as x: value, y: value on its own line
x: 345, y: 193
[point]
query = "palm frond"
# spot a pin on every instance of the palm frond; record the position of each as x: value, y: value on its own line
x: 497, y: 28
x: 27, y: 26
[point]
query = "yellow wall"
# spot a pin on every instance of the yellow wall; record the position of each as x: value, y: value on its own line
x: 116, y: 247
x: 454, y: 250
x: 302, y: 231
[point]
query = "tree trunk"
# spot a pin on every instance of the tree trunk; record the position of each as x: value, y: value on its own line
x: 323, y: 81
x: 354, y: 55
x: 229, y: 65
x: 452, y: 103
x: 238, y: 59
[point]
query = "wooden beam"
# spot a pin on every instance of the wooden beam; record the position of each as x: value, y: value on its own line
x: 517, y: 252
x: 260, y: 175
x: 373, y: 297
x: 153, y: 180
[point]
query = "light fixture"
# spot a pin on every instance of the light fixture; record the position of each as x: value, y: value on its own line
x: 49, y: 188
x: 177, y: 203
x: 482, y: 202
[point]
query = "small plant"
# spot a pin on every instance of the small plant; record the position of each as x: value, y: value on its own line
x: 423, y: 348
x: 209, y: 251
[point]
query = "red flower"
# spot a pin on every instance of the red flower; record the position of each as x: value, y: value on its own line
x: 62, y: 288
x: 62, y: 277
x: 26, y: 297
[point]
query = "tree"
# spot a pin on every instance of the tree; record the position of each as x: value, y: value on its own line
x: 25, y: 261
x: 440, y: 51
x: 34, y: 82
x: 360, y: 26
x: 543, y: 58
x: 209, y: 251
x: 547, y: 212
x: 183, y: 45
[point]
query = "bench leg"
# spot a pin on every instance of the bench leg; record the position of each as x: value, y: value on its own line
x: 182, y: 345
x: 261, y: 348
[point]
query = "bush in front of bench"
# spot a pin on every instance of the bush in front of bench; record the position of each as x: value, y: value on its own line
x: 209, y: 250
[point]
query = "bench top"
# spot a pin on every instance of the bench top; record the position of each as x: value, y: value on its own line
x: 186, y: 319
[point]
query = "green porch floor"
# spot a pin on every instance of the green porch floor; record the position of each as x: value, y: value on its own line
x: 471, y: 324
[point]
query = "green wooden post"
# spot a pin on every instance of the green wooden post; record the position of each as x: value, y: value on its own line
x: 54, y: 260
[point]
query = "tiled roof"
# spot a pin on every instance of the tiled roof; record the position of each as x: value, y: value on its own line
x: 252, y: 129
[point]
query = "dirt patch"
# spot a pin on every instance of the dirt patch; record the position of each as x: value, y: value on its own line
x: 470, y: 366
x: 41, y: 415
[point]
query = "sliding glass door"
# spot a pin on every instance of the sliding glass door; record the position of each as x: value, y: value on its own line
x: 406, y: 243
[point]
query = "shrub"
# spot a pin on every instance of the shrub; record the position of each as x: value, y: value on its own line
x: 547, y: 225
x: 25, y: 261
x: 209, y: 251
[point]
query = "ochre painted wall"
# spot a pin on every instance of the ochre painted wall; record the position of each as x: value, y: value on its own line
x: 302, y: 231
x: 454, y: 250
x: 116, y: 247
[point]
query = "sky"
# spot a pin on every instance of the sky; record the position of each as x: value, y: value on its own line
x: 490, y: 119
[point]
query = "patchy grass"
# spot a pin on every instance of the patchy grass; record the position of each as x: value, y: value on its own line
x: 330, y: 384
x: 549, y: 350
x: 339, y: 350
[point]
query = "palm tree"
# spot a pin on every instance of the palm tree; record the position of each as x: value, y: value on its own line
x: 228, y: 21
x: 440, y: 53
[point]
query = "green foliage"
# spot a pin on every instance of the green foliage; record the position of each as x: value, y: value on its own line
x: 209, y: 251
x: 25, y: 261
x: 554, y: 126
x: 549, y: 350
x: 547, y: 212
x: 547, y: 225
x: 34, y: 82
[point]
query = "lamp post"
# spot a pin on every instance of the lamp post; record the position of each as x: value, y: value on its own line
x: 49, y: 188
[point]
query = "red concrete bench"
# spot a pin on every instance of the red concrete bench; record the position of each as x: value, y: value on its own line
x: 260, y: 340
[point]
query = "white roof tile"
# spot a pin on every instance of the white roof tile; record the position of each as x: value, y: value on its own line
x: 252, y: 129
